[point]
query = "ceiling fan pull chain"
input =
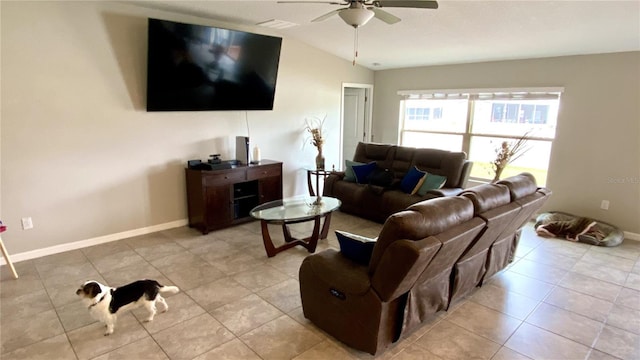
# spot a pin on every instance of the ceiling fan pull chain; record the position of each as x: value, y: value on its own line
x: 355, y: 46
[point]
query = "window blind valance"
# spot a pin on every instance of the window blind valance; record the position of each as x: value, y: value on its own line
x: 484, y: 94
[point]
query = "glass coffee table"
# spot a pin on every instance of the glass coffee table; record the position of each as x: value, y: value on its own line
x: 292, y: 211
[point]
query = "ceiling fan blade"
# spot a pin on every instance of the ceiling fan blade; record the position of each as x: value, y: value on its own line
x: 385, y: 16
x: 422, y: 4
x: 327, y: 15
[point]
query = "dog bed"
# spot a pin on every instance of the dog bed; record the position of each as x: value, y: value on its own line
x: 578, y: 228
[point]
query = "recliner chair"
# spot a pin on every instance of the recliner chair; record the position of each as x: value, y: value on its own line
x: 406, y: 282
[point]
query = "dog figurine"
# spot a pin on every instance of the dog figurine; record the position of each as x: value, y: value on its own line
x: 105, y: 303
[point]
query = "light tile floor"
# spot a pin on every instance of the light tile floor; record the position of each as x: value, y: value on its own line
x: 558, y: 300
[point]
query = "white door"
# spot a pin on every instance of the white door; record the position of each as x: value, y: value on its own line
x: 355, y: 125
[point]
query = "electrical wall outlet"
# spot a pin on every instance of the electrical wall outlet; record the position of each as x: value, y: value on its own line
x: 604, y: 205
x: 27, y: 223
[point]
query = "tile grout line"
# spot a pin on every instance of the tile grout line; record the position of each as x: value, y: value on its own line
x: 602, y: 323
x: 404, y: 346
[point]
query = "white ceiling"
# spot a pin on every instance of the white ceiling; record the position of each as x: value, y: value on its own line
x: 457, y: 32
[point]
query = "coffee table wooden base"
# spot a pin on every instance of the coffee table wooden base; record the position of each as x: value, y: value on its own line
x: 308, y: 243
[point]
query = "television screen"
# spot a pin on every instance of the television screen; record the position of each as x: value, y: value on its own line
x: 194, y: 67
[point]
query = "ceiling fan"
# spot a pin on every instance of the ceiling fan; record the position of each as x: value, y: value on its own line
x: 359, y: 12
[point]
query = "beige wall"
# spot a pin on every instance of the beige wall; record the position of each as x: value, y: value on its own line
x: 82, y: 157
x: 596, y: 154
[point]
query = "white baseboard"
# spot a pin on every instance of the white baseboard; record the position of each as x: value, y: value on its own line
x: 631, y: 236
x: 28, y: 255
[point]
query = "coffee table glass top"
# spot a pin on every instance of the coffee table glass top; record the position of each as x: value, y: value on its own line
x: 295, y: 208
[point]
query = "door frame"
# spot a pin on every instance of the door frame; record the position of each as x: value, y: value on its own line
x: 368, y: 112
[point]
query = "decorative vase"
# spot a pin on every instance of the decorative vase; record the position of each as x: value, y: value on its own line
x: 498, y: 174
x: 319, y: 160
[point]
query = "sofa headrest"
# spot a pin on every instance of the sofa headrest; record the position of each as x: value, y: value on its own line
x: 441, y: 214
x: 429, y: 158
x: 441, y: 162
x: 421, y: 220
x: 487, y: 196
x: 520, y: 185
x: 366, y: 152
x: 402, y: 160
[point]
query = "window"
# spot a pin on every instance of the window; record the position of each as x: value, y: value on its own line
x: 478, y: 121
x: 519, y: 113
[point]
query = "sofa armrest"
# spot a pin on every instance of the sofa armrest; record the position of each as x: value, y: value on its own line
x: 339, y: 174
x: 466, y: 171
x: 446, y: 192
x: 401, y: 265
x: 330, y: 180
x: 335, y: 270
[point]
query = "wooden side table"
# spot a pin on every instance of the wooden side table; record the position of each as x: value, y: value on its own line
x: 6, y: 254
x: 318, y: 173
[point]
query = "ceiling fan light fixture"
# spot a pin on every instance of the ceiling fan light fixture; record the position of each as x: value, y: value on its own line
x: 356, y: 17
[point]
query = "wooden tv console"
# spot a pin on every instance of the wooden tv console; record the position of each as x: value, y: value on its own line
x: 217, y: 199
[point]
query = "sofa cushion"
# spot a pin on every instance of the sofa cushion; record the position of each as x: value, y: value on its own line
x: 382, y: 154
x: 348, y: 170
x: 488, y: 196
x: 402, y: 161
x: 362, y: 172
x: 355, y: 247
x: 410, y: 180
x: 430, y: 182
x: 520, y: 186
x: 381, y: 177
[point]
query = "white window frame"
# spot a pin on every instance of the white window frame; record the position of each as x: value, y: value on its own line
x: 472, y: 95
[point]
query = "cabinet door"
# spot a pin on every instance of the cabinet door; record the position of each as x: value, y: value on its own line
x: 219, y: 207
x: 270, y: 189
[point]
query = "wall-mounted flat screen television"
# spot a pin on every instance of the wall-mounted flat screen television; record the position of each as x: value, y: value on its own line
x: 195, y: 68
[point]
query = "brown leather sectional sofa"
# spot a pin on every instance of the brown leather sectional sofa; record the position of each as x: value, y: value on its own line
x: 426, y: 257
x: 375, y: 203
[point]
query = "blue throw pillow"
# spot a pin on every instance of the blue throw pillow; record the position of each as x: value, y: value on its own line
x: 355, y: 247
x: 362, y: 172
x: 410, y: 179
x: 431, y: 182
x: 348, y: 170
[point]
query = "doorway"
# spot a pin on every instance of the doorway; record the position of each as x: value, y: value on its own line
x: 356, y: 118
